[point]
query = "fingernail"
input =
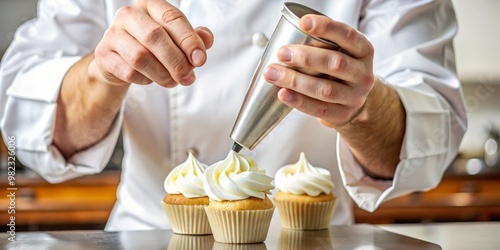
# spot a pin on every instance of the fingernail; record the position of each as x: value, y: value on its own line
x: 188, y: 79
x: 287, y: 95
x: 198, y: 57
x: 285, y: 54
x: 271, y: 73
x: 307, y: 23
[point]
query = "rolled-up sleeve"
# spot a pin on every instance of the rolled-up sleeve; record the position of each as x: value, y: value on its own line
x: 32, y: 71
x: 414, y: 55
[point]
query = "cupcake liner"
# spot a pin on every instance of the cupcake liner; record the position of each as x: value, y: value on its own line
x: 299, y: 239
x: 189, y: 242
x: 305, y: 216
x: 187, y: 219
x: 245, y: 226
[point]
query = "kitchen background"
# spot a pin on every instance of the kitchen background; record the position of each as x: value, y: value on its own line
x: 469, y: 191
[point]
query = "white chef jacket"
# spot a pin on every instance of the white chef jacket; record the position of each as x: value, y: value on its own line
x: 414, y: 54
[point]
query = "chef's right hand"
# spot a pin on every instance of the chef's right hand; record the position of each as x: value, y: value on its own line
x: 150, y: 41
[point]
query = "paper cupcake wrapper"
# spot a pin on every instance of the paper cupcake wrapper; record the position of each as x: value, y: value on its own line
x: 188, y: 242
x: 187, y: 219
x: 246, y: 226
x: 305, y: 216
x: 297, y: 239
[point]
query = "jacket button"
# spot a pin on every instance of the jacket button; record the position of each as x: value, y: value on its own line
x: 259, y: 39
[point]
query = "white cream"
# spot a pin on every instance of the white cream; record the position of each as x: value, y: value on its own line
x: 187, y: 179
x: 303, y: 178
x: 236, y: 178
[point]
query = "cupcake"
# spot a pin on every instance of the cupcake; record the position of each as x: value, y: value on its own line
x: 305, y: 200
x: 239, y: 209
x: 186, y: 199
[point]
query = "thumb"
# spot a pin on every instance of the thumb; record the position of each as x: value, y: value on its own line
x: 206, y: 36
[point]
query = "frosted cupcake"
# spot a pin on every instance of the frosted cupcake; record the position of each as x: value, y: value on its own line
x: 305, y: 200
x: 186, y: 199
x: 239, y: 209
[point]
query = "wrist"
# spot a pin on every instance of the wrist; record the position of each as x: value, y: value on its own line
x: 106, y: 95
x: 86, y: 108
x: 369, y: 110
x: 375, y: 135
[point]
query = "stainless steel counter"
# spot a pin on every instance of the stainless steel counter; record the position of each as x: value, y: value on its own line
x: 453, y: 236
x: 450, y: 236
x: 337, y: 237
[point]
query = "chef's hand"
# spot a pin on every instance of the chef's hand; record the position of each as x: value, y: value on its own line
x: 346, y: 79
x: 150, y: 41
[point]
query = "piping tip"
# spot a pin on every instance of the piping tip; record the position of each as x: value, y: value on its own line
x: 237, y: 147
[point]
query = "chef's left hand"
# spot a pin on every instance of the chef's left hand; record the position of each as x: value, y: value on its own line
x: 337, y: 98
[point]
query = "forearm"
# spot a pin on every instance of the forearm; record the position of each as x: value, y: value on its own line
x: 86, y: 108
x: 376, y: 134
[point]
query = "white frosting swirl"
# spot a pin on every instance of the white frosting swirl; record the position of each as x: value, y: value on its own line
x: 236, y: 178
x: 187, y: 179
x: 303, y: 178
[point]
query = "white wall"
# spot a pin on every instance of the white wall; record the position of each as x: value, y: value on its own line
x: 483, y: 109
x: 478, y: 41
x: 477, y: 48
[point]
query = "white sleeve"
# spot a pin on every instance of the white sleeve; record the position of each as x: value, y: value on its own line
x: 414, y: 55
x: 31, y: 73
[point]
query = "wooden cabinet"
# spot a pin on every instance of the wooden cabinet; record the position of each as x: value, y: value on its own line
x: 456, y: 198
x: 85, y: 202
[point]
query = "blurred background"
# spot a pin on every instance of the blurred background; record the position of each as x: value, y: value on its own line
x: 469, y: 191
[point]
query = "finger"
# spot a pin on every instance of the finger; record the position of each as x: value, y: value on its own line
x: 115, y: 69
x: 344, y: 35
x: 140, y: 58
x: 179, y: 29
x: 330, y: 62
x: 331, y: 112
x: 325, y: 90
x: 206, y: 36
x: 154, y: 37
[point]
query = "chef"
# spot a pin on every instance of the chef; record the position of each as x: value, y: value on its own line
x: 386, y: 118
